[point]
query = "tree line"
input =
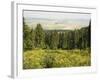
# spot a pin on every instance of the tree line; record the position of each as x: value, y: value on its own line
x: 56, y: 39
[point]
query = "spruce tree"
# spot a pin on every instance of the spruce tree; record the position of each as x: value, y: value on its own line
x: 54, y: 40
x: 39, y: 36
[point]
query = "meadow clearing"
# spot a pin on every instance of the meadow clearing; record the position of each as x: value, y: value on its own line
x: 39, y: 58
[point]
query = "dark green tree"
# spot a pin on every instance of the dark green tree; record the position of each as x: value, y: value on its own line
x: 77, y: 39
x: 54, y: 40
x: 47, y: 39
x: 71, y: 41
x: 61, y: 37
x: 65, y: 40
x: 27, y: 43
x: 32, y: 38
x: 39, y: 36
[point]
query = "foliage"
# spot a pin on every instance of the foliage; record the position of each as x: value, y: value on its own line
x: 56, y: 39
x: 39, y: 36
x: 56, y: 58
x: 27, y: 38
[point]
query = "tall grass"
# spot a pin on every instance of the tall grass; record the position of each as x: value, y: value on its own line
x: 36, y: 59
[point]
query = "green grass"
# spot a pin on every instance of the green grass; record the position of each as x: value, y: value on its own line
x: 37, y: 59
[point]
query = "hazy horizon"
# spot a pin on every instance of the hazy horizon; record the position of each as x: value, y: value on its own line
x: 56, y: 20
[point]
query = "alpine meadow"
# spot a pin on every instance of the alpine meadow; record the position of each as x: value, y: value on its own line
x: 56, y: 39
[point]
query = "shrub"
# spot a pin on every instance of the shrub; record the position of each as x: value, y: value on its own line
x: 56, y: 58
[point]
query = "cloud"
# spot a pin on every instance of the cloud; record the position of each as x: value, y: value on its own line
x: 52, y: 20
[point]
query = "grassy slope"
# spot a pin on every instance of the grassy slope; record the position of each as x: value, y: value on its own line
x: 56, y: 58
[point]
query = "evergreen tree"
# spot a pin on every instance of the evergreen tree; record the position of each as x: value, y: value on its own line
x: 61, y: 37
x: 27, y: 43
x: 39, y: 37
x: 47, y: 39
x: 71, y: 40
x: 65, y: 40
x: 76, y: 38
x: 54, y: 40
x: 32, y: 38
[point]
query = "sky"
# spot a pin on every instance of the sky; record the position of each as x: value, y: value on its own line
x: 56, y: 20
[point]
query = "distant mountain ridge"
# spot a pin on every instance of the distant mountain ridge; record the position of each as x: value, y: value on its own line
x: 69, y: 24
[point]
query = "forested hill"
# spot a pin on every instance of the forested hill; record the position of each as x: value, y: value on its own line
x: 65, y: 30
